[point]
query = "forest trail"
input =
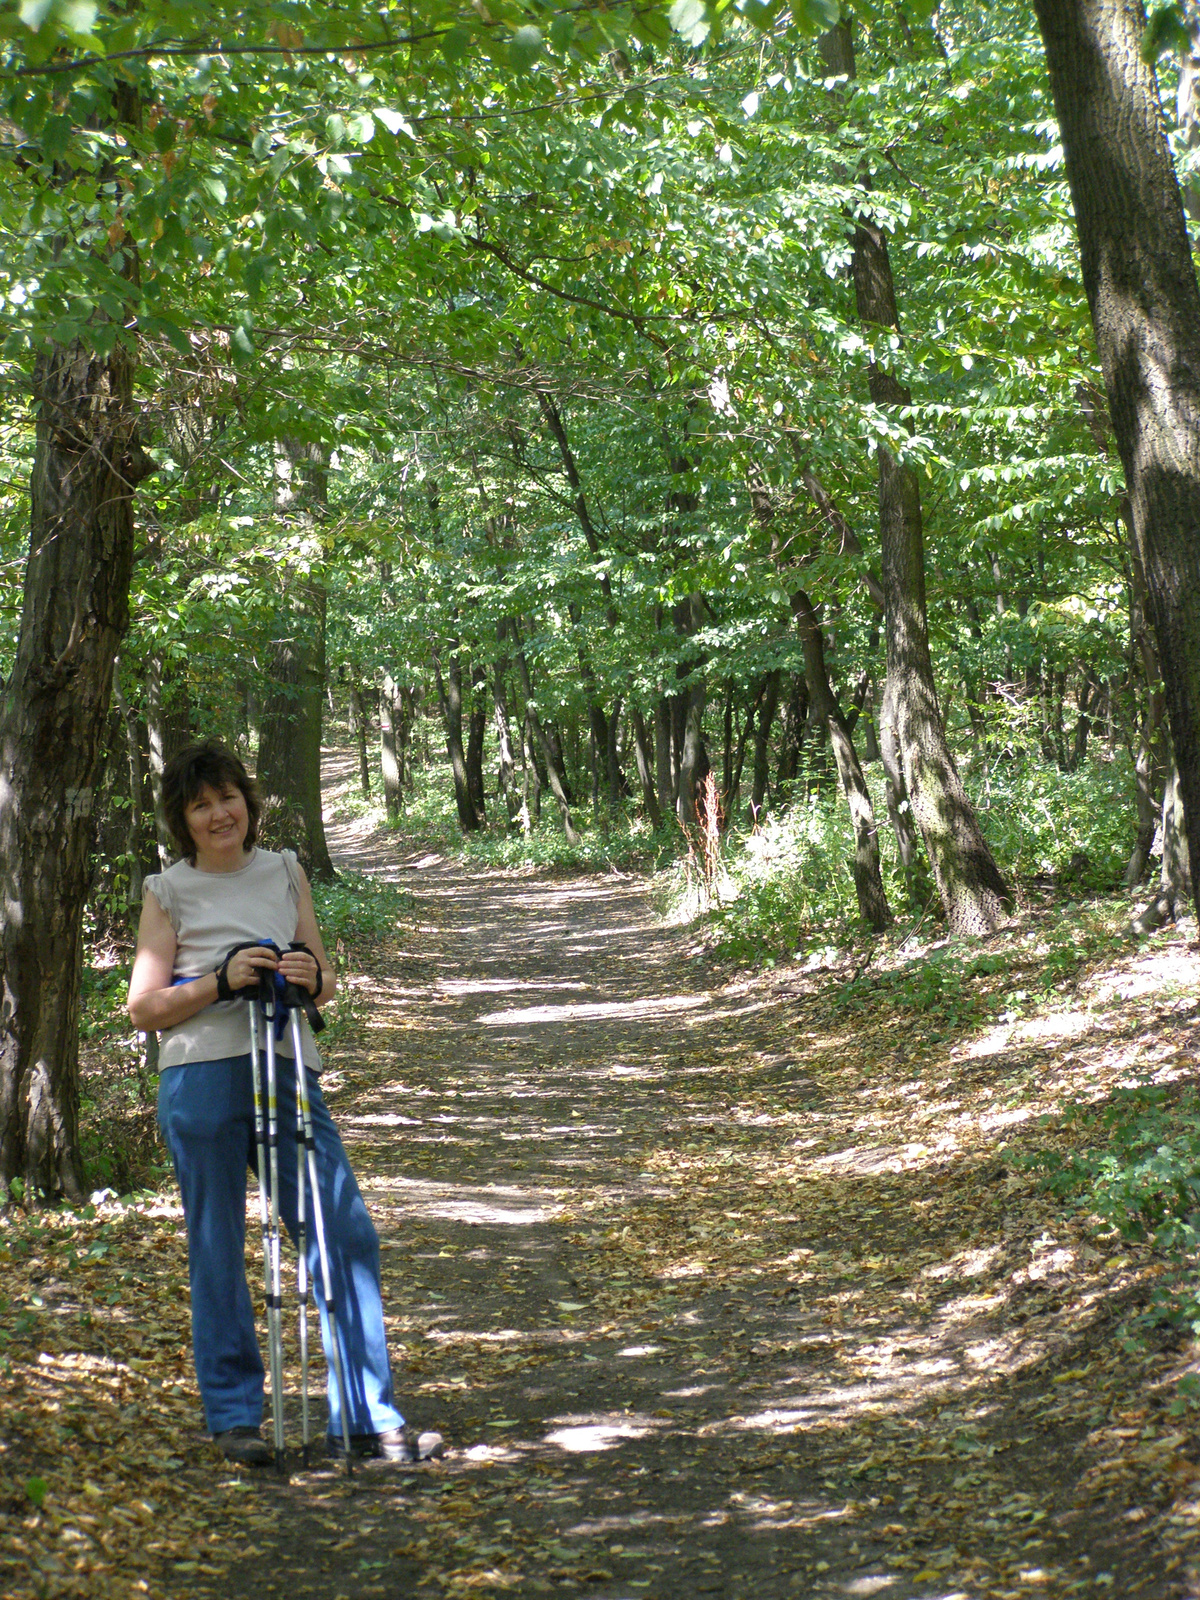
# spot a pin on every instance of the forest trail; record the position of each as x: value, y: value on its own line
x: 714, y: 1285
x: 692, y: 1318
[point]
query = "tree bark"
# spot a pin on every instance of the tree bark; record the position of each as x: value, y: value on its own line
x: 975, y: 896
x: 169, y: 726
x: 641, y: 746
x: 449, y: 692
x: 476, y: 729
x: 868, y: 882
x: 1145, y: 304
x: 767, y: 708
x: 289, y: 741
x: 52, y: 716
x: 358, y: 724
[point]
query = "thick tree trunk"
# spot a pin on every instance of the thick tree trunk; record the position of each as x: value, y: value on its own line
x: 289, y: 741
x: 794, y: 726
x: 449, y: 691
x: 52, y: 718
x: 1175, y: 883
x: 693, y: 761
x: 868, y: 883
x: 908, y: 842
x: 1141, y: 287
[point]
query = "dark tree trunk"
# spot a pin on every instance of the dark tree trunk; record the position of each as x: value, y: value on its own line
x: 794, y: 726
x: 476, y: 728
x: 449, y: 691
x: 358, y: 727
x: 762, y: 735
x: 868, y: 882
x: 289, y: 741
x: 1141, y: 287
x: 664, y: 755
x: 52, y: 718
x: 693, y: 761
x: 641, y: 746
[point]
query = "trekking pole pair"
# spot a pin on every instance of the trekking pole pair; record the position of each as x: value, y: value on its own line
x: 275, y: 998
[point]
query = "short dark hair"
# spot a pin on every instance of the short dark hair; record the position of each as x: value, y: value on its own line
x: 186, y: 773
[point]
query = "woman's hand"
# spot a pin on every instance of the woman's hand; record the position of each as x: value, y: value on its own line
x: 303, y: 969
x: 246, y: 964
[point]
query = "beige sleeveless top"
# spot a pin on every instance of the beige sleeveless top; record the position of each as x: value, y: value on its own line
x: 210, y: 912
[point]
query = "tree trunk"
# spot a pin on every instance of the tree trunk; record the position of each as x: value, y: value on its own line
x: 1141, y: 287
x: 641, y: 748
x: 169, y: 726
x: 476, y: 729
x: 507, y: 771
x: 973, y: 893
x: 358, y: 725
x: 551, y: 756
x: 908, y: 842
x: 289, y: 740
x: 1175, y: 884
x: 449, y: 691
x: 389, y: 755
x: 52, y: 717
x: 794, y: 727
x: 664, y: 757
x: 868, y: 882
x: 762, y: 734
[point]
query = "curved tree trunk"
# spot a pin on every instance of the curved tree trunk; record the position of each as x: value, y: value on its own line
x: 52, y: 718
x: 1140, y: 279
x: 973, y: 893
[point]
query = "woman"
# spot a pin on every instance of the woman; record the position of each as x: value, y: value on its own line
x: 223, y: 892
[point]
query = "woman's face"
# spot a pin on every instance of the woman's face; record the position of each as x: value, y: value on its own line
x: 218, y: 821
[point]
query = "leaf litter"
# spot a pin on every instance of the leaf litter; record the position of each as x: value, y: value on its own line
x: 716, y: 1284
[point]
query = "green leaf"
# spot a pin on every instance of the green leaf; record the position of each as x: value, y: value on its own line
x: 241, y: 344
x: 455, y: 43
x: 36, y: 1490
x: 562, y: 29
x: 215, y: 187
x: 690, y: 20
x: 1165, y: 30
x: 524, y: 48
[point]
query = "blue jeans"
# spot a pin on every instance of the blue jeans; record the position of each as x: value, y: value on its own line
x: 206, y: 1112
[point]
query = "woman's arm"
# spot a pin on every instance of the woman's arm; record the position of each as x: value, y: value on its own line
x: 296, y: 966
x: 154, y: 1002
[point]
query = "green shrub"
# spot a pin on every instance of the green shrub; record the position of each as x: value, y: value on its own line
x: 1138, y: 1169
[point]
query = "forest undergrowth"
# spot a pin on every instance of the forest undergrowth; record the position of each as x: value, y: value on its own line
x: 912, y: 1236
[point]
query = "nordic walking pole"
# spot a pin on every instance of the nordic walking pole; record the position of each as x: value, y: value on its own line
x: 301, y: 1262
x: 274, y: 1339
x: 318, y: 1217
x: 275, y: 1292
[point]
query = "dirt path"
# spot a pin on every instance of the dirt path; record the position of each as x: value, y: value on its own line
x: 691, y: 1323
x: 714, y: 1289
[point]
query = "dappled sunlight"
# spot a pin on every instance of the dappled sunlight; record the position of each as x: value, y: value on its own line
x: 608, y: 1010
